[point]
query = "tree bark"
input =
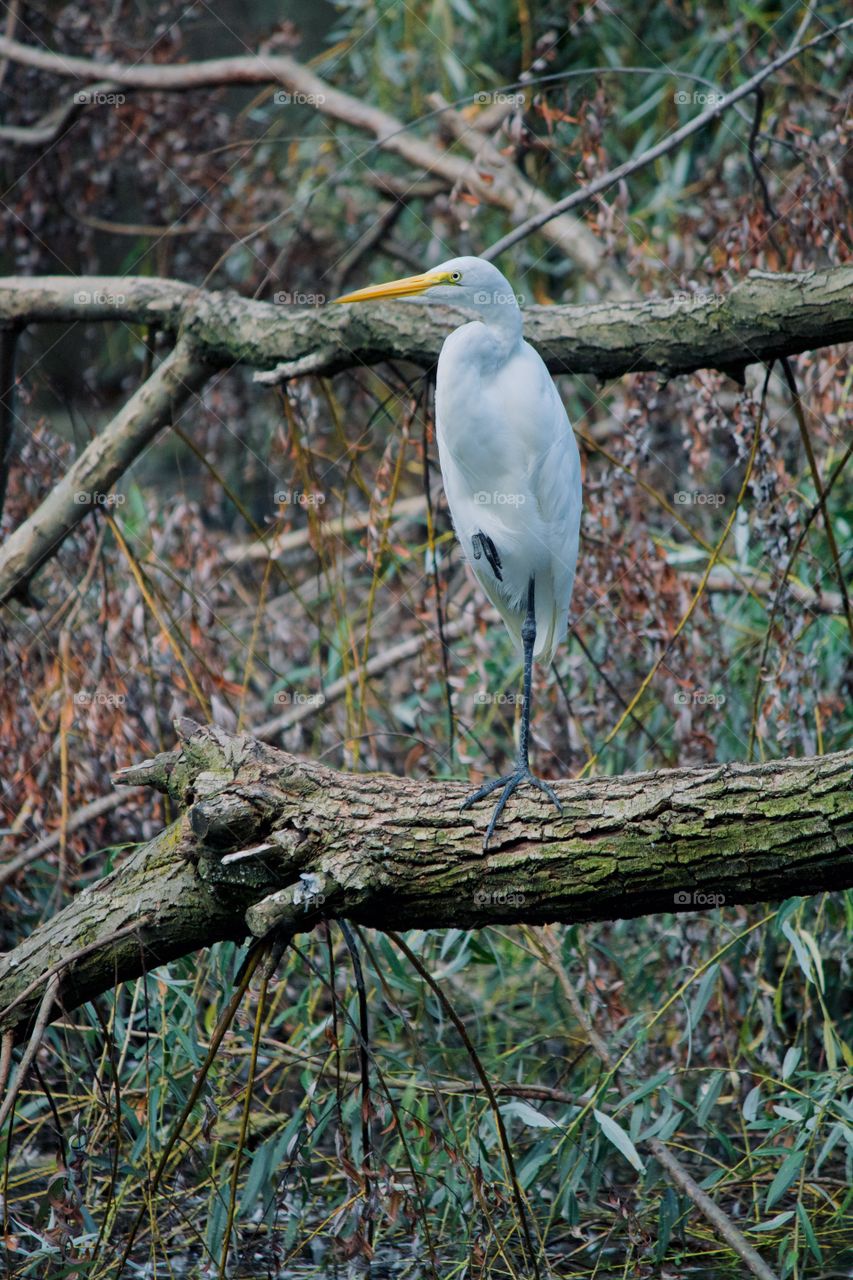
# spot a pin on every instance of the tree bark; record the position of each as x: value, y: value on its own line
x: 267, y: 841
x: 761, y: 318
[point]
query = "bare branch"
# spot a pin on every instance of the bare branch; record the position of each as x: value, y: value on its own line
x: 540, y: 220
x: 505, y: 188
x: 763, y: 317
x: 89, y: 481
x: 52, y: 123
x: 42, y: 1019
x: 82, y: 817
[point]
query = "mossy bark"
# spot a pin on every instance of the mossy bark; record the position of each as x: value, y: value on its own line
x: 268, y: 840
x: 761, y: 318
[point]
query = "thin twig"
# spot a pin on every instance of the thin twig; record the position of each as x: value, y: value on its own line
x: 80, y: 818
x: 42, y: 1019
x: 451, y: 1013
x: 8, y: 348
x: 795, y: 551
x: 244, y: 1124
x: 225, y: 1020
x: 662, y: 148
x: 364, y: 1076
x: 6, y: 1047
x: 799, y: 414
x: 377, y: 665
x: 440, y: 619
x: 697, y: 596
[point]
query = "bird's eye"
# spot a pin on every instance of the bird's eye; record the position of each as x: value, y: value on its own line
x: 455, y: 276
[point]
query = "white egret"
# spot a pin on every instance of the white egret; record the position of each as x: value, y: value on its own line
x: 511, y: 472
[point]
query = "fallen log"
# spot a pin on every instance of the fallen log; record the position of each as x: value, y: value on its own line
x: 266, y: 841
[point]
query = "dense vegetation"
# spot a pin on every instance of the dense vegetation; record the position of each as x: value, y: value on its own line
x: 729, y: 1030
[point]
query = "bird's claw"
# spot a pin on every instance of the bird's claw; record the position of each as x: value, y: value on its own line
x: 510, y: 783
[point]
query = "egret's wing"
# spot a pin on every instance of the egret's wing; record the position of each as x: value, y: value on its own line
x: 556, y: 482
x: 511, y: 475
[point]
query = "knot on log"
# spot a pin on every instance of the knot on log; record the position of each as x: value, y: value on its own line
x: 207, y: 760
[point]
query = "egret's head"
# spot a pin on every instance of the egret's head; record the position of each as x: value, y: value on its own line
x: 462, y: 282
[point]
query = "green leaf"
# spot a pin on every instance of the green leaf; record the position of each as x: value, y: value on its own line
x: 814, y: 950
x: 750, y: 1104
x: 703, y: 995
x: 772, y: 1223
x: 808, y: 1232
x: 787, y: 1113
x: 617, y: 1135
x: 530, y: 1168
x: 709, y: 1099
x: 786, y: 1174
x: 830, y: 1044
x: 571, y: 1208
x: 643, y: 1090
x: 528, y: 1115
x: 266, y: 1161
x: 835, y: 1133
x: 217, y: 1215
x: 667, y: 1219
x: 789, y: 1062
x: 800, y: 951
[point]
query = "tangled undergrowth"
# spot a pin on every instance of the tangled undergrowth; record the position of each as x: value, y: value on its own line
x: 283, y: 561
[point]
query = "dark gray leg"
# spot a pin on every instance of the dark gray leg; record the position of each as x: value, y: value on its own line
x: 521, y: 774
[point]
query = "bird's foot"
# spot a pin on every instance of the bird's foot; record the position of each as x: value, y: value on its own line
x: 510, y: 783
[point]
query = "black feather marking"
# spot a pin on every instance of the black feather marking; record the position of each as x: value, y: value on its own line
x: 482, y: 545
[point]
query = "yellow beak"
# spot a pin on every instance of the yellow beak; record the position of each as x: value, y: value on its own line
x: 404, y: 288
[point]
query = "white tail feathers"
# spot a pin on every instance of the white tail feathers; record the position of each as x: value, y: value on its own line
x: 550, y: 624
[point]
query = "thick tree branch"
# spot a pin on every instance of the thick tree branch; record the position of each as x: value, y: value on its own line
x: 761, y: 318
x: 267, y: 840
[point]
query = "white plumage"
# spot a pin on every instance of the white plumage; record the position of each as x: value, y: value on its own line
x: 511, y: 470
x: 508, y: 456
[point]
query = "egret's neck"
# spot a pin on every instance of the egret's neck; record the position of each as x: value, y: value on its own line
x: 504, y: 323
